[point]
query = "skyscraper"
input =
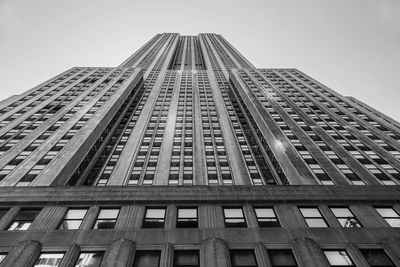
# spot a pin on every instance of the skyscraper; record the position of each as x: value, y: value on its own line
x: 188, y: 155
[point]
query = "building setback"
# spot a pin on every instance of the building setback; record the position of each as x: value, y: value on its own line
x: 188, y: 155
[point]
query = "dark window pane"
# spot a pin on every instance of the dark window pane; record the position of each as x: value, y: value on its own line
x: 147, y: 258
x: 105, y: 224
x: 282, y: 258
x: 243, y: 258
x: 377, y: 257
x: 27, y: 215
x: 186, y: 258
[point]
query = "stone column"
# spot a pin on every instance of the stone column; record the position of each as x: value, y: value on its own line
x: 71, y: 256
x: 23, y: 255
x: 392, y: 248
x: 90, y: 218
x: 167, y: 256
x: 119, y: 254
x: 308, y: 253
x: 214, y: 253
x: 261, y: 256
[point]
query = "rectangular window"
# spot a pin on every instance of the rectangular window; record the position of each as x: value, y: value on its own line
x: 73, y: 219
x: 313, y: 217
x: 187, y: 218
x: 2, y: 256
x: 282, y: 258
x: 243, y: 258
x: 23, y: 219
x: 234, y: 217
x: 154, y: 218
x: 345, y: 217
x: 49, y: 259
x: 266, y: 217
x: 147, y: 258
x: 106, y: 219
x: 89, y: 259
x: 338, y: 258
x: 377, y: 258
x: 390, y: 216
x: 186, y: 258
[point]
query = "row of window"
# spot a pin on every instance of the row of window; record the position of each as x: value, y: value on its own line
x: 187, y: 217
x: 191, y: 258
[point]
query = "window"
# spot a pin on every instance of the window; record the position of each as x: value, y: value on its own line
x: 377, y: 258
x: 147, y: 258
x: 154, y: 218
x: 187, y: 218
x: 243, y: 258
x: 23, y: 219
x: 390, y: 216
x: 345, y: 217
x: 313, y: 217
x: 106, y: 219
x: 2, y: 256
x: 266, y: 217
x: 49, y: 259
x: 282, y: 258
x: 338, y: 258
x: 89, y: 259
x: 3, y: 212
x: 234, y: 217
x: 186, y: 258
x: 73, y: 219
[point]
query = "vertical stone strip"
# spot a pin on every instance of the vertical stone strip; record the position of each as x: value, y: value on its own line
x: 392, y: 248
x: 167, y: 256
x: 90, y: 217
x: 7, y: 219
x: 199, y: 162
x: 308, y: 253
x: 261, y: 256
x: 23, y: 255
x: 211, y: 217
x: 214, y: 253
x: 48, y: 218
x: 164, y: 160
x: 127, y: 217
x: 170, y: 217
x: 71, y: 256
x: 119, y: 254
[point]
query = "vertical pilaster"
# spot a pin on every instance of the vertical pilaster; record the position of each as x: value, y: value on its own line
x: 7, y: 219
x: 212, y: 217
x: 127, y: 217
x: 214, y: 253
x: 392, y: 248
x: 71, y: 256
x: 119, y: 254
x: 23, y: 255
x: 308, y: 253
x: 90, y: 217
x: 167, y: 256
x: 48, y: 218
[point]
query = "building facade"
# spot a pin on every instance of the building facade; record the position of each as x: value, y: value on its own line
x: 188, y: 155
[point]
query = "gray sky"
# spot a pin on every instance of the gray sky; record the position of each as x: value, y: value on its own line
x: 352, y: 46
